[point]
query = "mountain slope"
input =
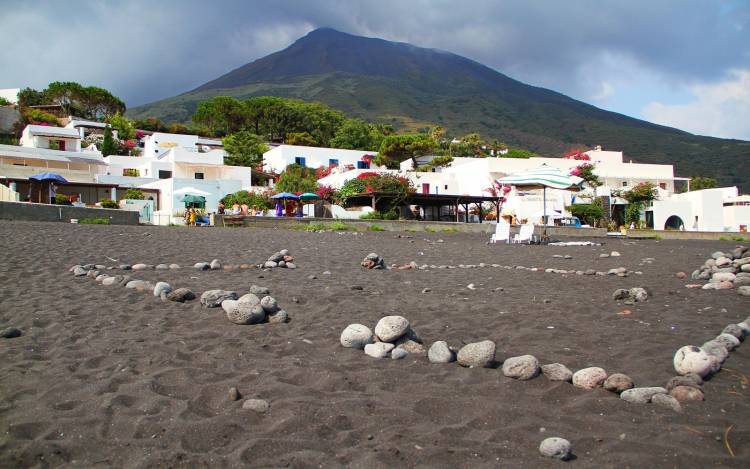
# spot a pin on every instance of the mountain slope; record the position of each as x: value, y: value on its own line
x: 414, y: 87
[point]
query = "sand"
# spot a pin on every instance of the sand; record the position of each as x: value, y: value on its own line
x: 107, y: 377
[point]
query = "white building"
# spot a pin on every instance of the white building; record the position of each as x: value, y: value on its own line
x: 719, y: 209
x: 55, y: 138
x: 175, y: 165
x: 277, y: 159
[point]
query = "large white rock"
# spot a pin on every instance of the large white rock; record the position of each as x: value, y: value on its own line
x: 523, y: 367
x: 719, y: 277
x: 243, y: 313
x: 641, y: 395
x: 214, y: 298
x: 554, y: 447
x: 440, y: 353
x: 390, y: 328
x: 589, y: 378
x: 716, y: 348
x: 378, y: 349
x: 729, y: 341
x: 161, y: 287
x: 356, y: 336
x: 477, y: 354
x: 691, y: 359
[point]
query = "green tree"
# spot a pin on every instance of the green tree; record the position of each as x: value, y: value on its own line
x: 65, y: 94
x: 244, y: 149
x: 134, y: 194
x: 301, y: 138
x: 222, y: 114
x: 355, y: 134
x: 125, y: 127
x: 109, y: 146
x: 98, y: 103
x: 31, y: 97
x: 396, y: 148
x: 698, y: 183
x: 296, y: 178
x: 587, y: 213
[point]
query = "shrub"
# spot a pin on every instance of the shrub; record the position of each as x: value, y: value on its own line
x: 450, y: 229
x: 4, y: 102
x: 35, y: 116
x: 589, y: 214
x: 374, y: 215
x: 61, y: 199
x: 94, y: 221
x: 109, y: 203
x: 375, y: 228
x: 134, y: 194
x: 338, y: 226
x: 373, y: 182
x: 391, y: 214
x: 260, y: 200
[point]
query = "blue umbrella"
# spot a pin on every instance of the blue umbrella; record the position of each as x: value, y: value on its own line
x: 48, y: 177
x: 285, y: 195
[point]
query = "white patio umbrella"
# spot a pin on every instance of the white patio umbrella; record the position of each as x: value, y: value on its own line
x: 191, y: 191
x: 542, y: 178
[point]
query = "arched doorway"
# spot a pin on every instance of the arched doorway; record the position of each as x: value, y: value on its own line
x: 673, y: 223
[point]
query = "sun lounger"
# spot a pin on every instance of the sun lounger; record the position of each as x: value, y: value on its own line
x: 524, y: 236
x: 502, y: 233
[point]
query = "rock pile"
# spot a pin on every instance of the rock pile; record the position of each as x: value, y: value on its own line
x: 726, y: 270
x: 161, y: 290
x: 280, y: 259
x: 248, y: 308
x: 393, y: 337
x: 630, y: 296
x: 373, y: 261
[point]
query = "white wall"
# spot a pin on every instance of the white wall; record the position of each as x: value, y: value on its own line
x: 277, y: 159
x: 707, y: 205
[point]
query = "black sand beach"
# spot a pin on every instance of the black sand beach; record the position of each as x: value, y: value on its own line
x: 109, y: 377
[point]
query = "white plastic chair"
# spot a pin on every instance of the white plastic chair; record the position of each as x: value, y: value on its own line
x: 502, y: 232
x: 525, y: 234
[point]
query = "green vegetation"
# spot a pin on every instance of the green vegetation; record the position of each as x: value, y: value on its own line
x: 436, y: 162
x: 333, y: 226
x: 109, y: 147
x: 4, y: 102
x: 251, y: 199
x: 376, y: 215
x: 244, y: 149
x: 296, y: 178
x: 590, y: 214
x: 430, y: 229
x: 373, y: 182
x: 355, y: 134
x: 375, y: 228
x: 450, y: 229
x: 125, y: 127
x: 109, y: 203
x: 35, y: 116
x: 134, y: 194
x: 397, y: 148
x: 89, y: 102
x: 698, y: 183
x: 61, y: 199
x: 94, y: 221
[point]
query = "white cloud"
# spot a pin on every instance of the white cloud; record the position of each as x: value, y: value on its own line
x: 720, y: 109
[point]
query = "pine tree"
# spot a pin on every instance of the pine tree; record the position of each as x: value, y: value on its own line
x: 108, y: 145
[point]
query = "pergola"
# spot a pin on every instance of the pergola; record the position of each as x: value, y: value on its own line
x: 433, y: 202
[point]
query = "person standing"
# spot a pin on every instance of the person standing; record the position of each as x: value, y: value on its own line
x: 52, y: 193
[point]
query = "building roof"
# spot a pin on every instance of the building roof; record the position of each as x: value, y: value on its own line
x: 30, y: 153
x: 209, y: 141
x: 49, y: 131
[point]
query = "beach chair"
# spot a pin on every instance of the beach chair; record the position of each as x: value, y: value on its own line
x: 524, y: 236
x: 502, y: 232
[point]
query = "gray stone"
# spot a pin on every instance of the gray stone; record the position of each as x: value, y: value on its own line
x: 270, y: 264
x: 243, y: 313
x: 80, y: 271
x: 378, y: 349
x: 745, y: 267
x: 691, y: 380
x: 557, y: 372
x: 291, y: 265
x: 215, y: 265
x: 729, y: 341
x: 691, y: 359
x: 181, y: 295
x: 113, y: 281
x: 523, y: 367
x: 276, y: 257
x: 589, y: 378
x: 716, y: 349
x: 722, y: 277
x: 202, y: 265
x: 356, y: 336
x: 284, y: 252
x: 280, y: 316
x: 269, y: 304
x: 398, y: 353
x: 717, y: 255
x: 641, y: 395
x: 723, y: 261
x: 744, y: 290
x: 439, y: 352
x: 144, y: 287
x: 135, y: 284
x: 620, y: 294
x: 100, y: 278
x: 687, y: 393
x: 162, y: 267
x: 281, y: 264
x: 142, y: 267
x: 665, y: 400
x: 618, y: 383
x: 11, y: 333
x: 390, y: 328
x: 477, y: 354
x: 174, y: 266
x: 162, y: 287
x: 614, y: 254
x: 558, y: 448
x: 258, y: 290
x: 125, y: 267
x: 214, y: 298
x: 409, y: 345
x: 234, y: 394
x: 638, y: 294
x: 257, y: 405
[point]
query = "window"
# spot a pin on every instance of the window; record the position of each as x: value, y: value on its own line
x: 198, y: 175
x: 446, y: 187
x: 300, y: 160
x: 165, y: 174
x: 624, y: 183
x: 663, y: 185
x: 333, y: 162
x: 363, y: 165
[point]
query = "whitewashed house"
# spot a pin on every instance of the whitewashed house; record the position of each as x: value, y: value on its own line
x: 277, y: 159
x: 718, y: 209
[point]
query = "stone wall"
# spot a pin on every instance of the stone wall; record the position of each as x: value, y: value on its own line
x: 64, y: 213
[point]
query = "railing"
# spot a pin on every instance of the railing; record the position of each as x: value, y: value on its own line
x: 8, y: 195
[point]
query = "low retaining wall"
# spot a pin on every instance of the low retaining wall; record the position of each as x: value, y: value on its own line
x: 44, y: 212
x: 410, y: 225
x: 674, y: 234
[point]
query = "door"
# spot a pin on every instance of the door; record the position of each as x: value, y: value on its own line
x: 61, y: 145
x: 425, y: 188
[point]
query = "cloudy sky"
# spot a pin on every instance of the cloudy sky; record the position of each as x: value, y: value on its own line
x: 682, y: 63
